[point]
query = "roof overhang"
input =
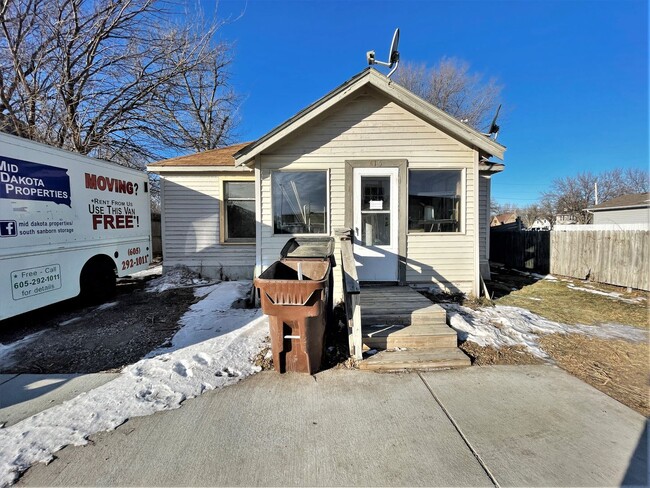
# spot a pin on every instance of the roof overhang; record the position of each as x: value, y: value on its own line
x: 152, y: 168
x: 490, y: 167
x: 621, y: 207
x: 401, y: 96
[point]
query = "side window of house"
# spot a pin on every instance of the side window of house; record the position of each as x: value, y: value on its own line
x: 299, y: 202
x: 239, y: 215
x: 434, y: 201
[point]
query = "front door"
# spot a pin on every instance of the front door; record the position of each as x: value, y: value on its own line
x: 375, y: 198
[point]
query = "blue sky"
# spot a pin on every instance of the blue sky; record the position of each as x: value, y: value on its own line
x: 575, y: 73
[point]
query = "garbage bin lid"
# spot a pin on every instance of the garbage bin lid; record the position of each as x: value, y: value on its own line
x: 308, y: 248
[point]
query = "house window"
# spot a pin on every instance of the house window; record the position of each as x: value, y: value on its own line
x: 434, y: 201
x: 299, y: 202
x: 239, y: 214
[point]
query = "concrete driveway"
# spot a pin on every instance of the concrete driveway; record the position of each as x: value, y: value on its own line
x: 482, y: 426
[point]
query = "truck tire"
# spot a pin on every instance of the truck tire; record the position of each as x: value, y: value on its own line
x: 97, y: 280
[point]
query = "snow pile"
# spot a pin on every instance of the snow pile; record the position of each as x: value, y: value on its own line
x: 177, y: 277
x: 513, y: 326
x: 151, y: 271
x: 214, y: 349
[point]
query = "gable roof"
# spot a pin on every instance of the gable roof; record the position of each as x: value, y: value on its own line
x: 399, y: 94
x: 505, y: 217
x: 634, y: 200
x: 221, y: 157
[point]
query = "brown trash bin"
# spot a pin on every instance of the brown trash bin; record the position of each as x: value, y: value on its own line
x: 297, y: 311
x: 309, y: 248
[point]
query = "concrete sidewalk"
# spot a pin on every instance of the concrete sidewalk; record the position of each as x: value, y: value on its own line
x: 521, y: 425
x: 23, y: 395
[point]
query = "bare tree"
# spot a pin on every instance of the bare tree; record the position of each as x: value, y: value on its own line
x: 530, y: 213
x: 88, y: 76
x: 198, y: 110
x: 573, y: 194
x: 450, y: 86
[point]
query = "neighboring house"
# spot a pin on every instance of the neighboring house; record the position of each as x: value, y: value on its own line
x: 565, y: 219
x: 412, y: 182
x: 504, y: 218
x: 540, y: 224
x: 626, y: 209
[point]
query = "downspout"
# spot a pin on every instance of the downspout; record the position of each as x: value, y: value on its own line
x: 477, y: 259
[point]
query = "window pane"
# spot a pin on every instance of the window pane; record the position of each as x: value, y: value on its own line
x: 434, y: 201
x: 239, y: 189
x: 375, y: 229
x: 299, y: 202
x: 240, y: 219
x: 376, y: 192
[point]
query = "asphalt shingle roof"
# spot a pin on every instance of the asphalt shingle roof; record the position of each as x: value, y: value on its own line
x: 633, y: 200
x: 214, y: 157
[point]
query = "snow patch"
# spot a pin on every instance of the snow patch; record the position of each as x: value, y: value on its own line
x: 154, y: 270
x: 178, y: 277
x: 104, y: 306
x: 547, y: 277
x: 513, y: 326
x: 7, y: 351
x: 612, y: 294
x: 71, y: 321
x: 213, y: 349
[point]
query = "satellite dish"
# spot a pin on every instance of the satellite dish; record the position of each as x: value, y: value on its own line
x: 494, y: 128
x: 393, y: 55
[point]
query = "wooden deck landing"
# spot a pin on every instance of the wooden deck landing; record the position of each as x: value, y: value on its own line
x: 412, y: 330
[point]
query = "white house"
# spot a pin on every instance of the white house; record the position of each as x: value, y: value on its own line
x: 412, y: 182
x: 626, y: 209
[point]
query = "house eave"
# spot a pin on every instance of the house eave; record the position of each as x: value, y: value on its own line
x: 196, y: 169
x: 487, y: 167
x: 623, y: 207
x: 400, y: 95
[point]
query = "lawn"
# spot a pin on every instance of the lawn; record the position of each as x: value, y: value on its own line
x: 560, y: 301
x: 617, y: 367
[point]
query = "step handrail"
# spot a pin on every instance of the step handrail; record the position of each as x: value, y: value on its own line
x: 351, y: 293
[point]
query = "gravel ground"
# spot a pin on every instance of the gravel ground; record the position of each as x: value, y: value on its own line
x: 76, y: 338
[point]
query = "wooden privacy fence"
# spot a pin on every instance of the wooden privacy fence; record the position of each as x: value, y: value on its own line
x: 525, y: 250
x: 614, y: 256
x: 617, y: 257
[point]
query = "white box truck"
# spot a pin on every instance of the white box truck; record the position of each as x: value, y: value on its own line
x: 69, y: 224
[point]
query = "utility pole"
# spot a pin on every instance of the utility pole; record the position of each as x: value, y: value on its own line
x: 596, y: 193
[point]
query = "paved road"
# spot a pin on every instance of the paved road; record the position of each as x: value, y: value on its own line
x: 521, y: 425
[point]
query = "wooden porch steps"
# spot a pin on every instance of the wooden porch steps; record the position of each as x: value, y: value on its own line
x: 423, y: 336
x: 418, y: 360
x: 411, y: 331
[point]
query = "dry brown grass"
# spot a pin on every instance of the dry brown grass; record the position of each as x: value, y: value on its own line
x: 555, y: 301
x: 488, y: 356
x: 619, y: 368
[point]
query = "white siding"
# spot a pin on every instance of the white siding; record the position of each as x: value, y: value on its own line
x: 625, y: 216
x: 372, y: 127
x: 190, y: 216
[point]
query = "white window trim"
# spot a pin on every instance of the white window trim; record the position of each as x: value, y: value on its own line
x: 222, y: 212
x: 327, y: 190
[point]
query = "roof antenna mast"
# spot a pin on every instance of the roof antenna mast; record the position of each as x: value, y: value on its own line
x: 393, y: 55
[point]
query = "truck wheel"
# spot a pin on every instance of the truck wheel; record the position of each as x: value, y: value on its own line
x: 97, y: 280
